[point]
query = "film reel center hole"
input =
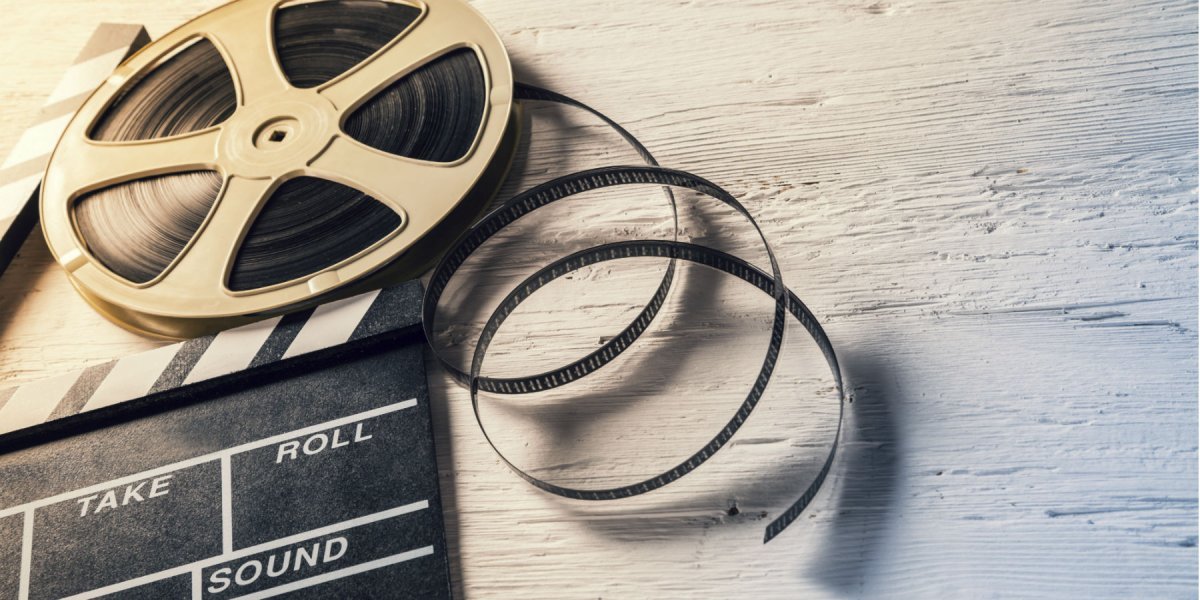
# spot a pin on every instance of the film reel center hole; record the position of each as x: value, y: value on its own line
x: 275, y: 133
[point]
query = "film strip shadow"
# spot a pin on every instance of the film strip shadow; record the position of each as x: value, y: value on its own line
x: 699, y: 514
x: 868, y: 483
x: 518, y: 174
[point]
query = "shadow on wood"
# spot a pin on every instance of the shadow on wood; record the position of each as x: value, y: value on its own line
x: 868, y: 475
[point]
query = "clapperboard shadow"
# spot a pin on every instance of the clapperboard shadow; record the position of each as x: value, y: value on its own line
x: 292, y: 456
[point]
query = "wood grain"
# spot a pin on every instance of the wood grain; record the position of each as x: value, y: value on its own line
x: 991, y: 205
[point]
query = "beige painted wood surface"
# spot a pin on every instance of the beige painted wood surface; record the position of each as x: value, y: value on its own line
x: 993, y: 207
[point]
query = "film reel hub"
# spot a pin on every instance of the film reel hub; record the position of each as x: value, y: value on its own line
x: 193, y: 166
x: 277, y: 135
x: 272, y: 134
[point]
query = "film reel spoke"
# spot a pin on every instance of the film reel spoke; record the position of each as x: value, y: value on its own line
x: 428, y: 38
x: 247, y: 44
x: 107, y: 163
x: 204, y: 263
x: 388, y: 178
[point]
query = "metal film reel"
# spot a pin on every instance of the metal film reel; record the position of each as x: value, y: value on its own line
x: 181, y: 271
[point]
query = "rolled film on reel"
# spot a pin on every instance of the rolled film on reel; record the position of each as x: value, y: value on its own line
x: 271, y: 155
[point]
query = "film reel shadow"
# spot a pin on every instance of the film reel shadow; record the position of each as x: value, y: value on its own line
x: 555, y: 115
x: 519, y: 164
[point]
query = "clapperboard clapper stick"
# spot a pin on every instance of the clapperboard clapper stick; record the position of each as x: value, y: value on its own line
x: 294, y: 453
x: 21, y: 172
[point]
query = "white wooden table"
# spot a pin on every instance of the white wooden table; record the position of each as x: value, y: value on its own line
x: 993, y: 208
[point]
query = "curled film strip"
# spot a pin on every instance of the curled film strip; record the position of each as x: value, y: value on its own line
x: 271, y: 155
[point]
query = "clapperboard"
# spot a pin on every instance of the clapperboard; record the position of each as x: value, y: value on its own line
x: 291, y: 456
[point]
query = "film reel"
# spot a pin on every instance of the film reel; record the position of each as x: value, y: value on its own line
x: 270, y: 155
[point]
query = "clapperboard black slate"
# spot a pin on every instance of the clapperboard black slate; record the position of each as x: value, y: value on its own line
x: 291, y: 457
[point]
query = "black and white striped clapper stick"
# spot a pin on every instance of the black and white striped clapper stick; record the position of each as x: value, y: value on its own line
x: 21, y: 172
x: 201, y: 359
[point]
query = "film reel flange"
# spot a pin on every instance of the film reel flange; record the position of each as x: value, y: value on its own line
x: 279, y: 133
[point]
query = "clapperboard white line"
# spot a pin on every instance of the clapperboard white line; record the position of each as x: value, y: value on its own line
x: 340, y: 573
x: 335, y: 321
x: 197, y: 566
x: 227, y: 504
x: 130, y: 377
x: 183, y: 464
x: 206, y: 358
x: 83, y: 76
x: 232, y: 351
x: 30, y: 398
x: 197, y: 586
x: 26, y: 554
x: 37, y: 140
